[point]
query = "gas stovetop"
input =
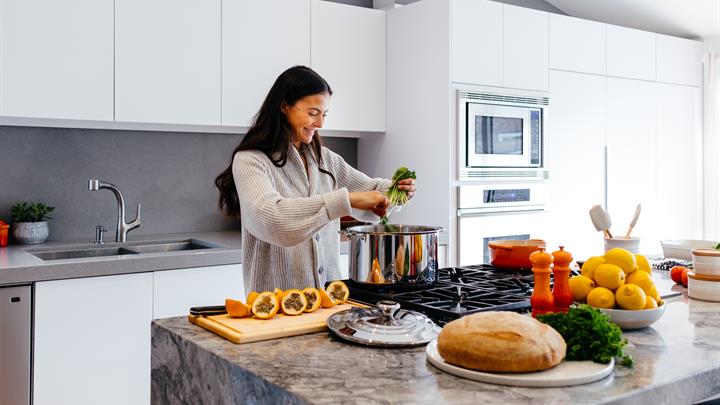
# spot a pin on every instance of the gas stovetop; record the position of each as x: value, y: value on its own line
x: 459, y: 291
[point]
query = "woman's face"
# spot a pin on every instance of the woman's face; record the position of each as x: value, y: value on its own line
x: 306, y: 116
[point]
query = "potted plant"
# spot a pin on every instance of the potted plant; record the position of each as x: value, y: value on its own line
x: 31, y: 225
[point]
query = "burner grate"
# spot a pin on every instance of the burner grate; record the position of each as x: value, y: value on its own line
x: 459, y: 291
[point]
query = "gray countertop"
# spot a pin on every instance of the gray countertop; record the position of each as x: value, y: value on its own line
x: 677, y: 360
x: 18, y: 266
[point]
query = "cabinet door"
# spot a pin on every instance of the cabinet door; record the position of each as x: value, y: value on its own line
x: 577, y: 45
x: 632, y: 150
x: 92, y: 340
x: 176, y: 291
x: 630, y: 53
x: 679, y: 162
x: 525, y: 48
x: 476, y: 43
x: 348, y: 50
x: 255, y: 53
x: 679, y: 60
x: 167, y: 66
x: 575, y: 152
x: 56, y: 59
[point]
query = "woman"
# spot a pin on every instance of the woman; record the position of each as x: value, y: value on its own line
x: 290, y: 191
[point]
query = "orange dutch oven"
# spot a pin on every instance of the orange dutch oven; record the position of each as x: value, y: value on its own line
x: 513, y: 253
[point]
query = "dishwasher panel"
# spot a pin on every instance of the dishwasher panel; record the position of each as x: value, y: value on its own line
x: 15, y: 320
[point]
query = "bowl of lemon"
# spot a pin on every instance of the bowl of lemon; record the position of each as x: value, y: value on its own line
x: 620, y: 284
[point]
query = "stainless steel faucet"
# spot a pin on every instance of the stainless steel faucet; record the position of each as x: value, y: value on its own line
x: 122, y: 228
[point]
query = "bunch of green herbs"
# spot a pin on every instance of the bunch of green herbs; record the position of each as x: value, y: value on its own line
x: 589, y: 334
x: 395, y: 195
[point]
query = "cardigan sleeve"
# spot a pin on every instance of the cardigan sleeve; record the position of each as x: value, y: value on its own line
x: 275, y: 219
x: 355, y: 180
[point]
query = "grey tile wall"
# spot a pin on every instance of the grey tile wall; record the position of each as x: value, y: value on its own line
x: 170, y: 174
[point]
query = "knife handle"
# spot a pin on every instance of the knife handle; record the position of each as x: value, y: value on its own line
x: 207, y: 311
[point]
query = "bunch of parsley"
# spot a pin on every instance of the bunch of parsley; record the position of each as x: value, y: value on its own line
x: 589, y: 334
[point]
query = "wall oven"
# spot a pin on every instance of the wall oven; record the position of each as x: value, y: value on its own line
x: 491, y: 212
x: 501, y: 134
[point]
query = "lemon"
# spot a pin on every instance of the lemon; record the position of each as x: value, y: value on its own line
x: 580, y: 287
x: 601, y: 297
x: 621, y: 258
x: 643, y: 263
x: 641, y: 279
x: 650, y: 303
x: 588, y: 268
x: 609, y: 276
x: 655, y: 294
x: 630, y: 296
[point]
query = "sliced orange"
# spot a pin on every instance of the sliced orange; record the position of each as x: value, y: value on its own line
x: 265, y: 306
x: 251, y: 297
x: 338, y: 291
x: 236, y: 308
x: 293, y: 302
x: 278, y: 293
x: 326, y: 301
x: 313, y: 299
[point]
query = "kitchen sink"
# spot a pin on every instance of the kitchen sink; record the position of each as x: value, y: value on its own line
x: 83, y: 253
x: 132, y: 248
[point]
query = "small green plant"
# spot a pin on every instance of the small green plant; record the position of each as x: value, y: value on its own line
x: 31, y: 212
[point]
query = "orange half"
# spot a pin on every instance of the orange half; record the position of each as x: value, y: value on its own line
x: 313, y: 299
x: 293, y: 302
x: 326, y: 301
x: 338, y: 291
x: 236, y: 308
x: 265, y: 306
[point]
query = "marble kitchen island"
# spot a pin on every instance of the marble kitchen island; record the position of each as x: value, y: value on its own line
x: 677, y: 361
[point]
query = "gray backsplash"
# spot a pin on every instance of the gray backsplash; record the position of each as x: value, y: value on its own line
x: 170, y: 174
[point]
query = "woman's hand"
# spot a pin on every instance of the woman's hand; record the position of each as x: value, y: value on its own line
x: 407, y: 185
x: 374, y: 201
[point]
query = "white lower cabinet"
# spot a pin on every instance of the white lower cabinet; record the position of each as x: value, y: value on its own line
x: 92, y: 340
x: 92, y: 335
x: 344, y: 266
x: 175, y: 291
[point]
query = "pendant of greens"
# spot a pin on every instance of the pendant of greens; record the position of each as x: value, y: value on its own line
x: 396, y: 196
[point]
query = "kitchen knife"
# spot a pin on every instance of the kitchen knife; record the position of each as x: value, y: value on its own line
x: 208, y: 311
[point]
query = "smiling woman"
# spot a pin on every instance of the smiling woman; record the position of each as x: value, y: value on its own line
x: 290, y: 191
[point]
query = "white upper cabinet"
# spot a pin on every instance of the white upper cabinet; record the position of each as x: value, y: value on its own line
x: 176, y: 291
x: 56, y: 59
x: 476, y: 44
x: 348, y: 50
x: 679, y: 60
x: 576, y: 45
x: 254, y: 53
x: 630, y: 53
x: 167, y: 61
x: 525, y: 55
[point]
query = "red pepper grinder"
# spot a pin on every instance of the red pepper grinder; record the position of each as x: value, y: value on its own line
x: 542, y: 300
x: 561, y: 272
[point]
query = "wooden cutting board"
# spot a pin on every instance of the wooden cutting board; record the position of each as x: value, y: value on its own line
x: 249, y: 329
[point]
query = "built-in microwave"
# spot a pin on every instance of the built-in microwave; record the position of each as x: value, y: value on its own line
x: 501, y: 132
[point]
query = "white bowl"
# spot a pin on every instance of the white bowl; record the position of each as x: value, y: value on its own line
x: 682, y: 248
x: 626, y: 319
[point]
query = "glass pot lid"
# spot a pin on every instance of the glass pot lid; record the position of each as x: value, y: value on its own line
x: 383, y: 325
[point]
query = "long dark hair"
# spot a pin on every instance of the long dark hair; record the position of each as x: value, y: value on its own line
x: 270, y: 132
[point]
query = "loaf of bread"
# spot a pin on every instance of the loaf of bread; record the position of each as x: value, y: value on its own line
x: 501, y: 341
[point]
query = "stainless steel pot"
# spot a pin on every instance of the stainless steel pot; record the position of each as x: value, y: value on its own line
x: 393, y: 254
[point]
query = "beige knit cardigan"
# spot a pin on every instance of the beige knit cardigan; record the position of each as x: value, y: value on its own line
x: 290, y: 218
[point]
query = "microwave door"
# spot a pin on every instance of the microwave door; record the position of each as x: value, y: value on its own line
x: 497, y: 136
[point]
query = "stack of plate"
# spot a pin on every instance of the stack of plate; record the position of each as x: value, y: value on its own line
x: 704, y: 280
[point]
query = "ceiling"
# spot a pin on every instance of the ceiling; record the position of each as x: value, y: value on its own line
x: 694, y: 19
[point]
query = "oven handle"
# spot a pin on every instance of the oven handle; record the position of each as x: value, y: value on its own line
x: 479, y: 212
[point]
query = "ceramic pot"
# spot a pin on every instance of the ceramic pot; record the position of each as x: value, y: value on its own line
x: 30, y: 233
